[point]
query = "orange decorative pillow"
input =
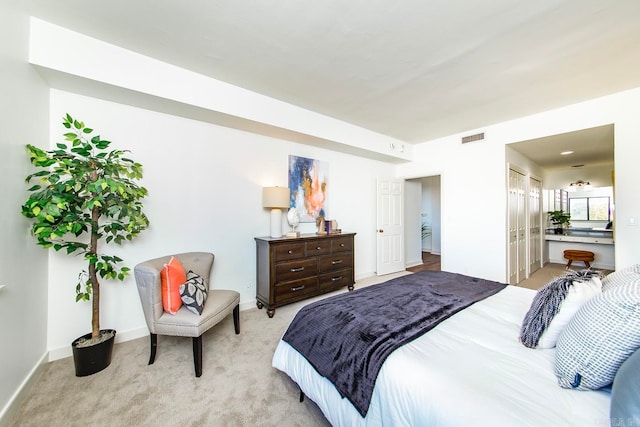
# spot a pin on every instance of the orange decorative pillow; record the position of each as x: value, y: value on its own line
x: 172, y: 276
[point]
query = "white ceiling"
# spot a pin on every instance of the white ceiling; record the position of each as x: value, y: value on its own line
x: 413, y: 69
x: 587, y: 147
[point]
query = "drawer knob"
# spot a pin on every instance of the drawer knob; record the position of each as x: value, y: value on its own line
x: 294, y: 270
x: 334, y: 279
x: 290, y: 251
x: 318, y: 248
x: 299, y: 288
x: 342, y: 245
x: 337, y: 261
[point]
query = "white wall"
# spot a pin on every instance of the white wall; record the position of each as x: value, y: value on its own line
x: 412, y: 233
x: 474, y: 181
x: 205, y: 193
x: 598, y: 176
x: 23, y: 300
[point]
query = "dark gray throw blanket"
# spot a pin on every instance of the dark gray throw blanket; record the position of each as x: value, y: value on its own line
x: 347, y: 337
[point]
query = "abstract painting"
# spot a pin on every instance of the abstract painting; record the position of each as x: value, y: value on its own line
x: 308, y: 182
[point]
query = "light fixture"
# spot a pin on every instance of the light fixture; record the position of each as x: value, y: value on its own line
x: 580, y: 185
x: 275, y: 198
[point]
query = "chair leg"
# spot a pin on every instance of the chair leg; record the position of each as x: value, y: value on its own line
x: 197, y: 355
x: 236, y: 318
x: 154, y: 346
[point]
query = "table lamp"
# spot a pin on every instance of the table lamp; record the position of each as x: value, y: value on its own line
x: 275, y: 198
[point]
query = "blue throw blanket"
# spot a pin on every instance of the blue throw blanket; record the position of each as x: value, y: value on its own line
x: 347, y: 337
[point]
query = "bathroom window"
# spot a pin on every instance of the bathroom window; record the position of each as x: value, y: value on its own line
x: 589, y: 209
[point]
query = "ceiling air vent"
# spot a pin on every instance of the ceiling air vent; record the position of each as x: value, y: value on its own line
x: 471, y: 138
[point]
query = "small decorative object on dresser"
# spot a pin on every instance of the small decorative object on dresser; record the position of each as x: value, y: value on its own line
x: 293, y: 218
x: 292, y: 270
x: 320, y: 224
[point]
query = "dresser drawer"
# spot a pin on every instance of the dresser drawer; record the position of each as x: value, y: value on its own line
x: 342, y: 244
x: 296, y: 270
x: 335, y: 262
x: 334, y: 280
x: 298, y: 289
x: 289, y: 251
x: 318, y: 247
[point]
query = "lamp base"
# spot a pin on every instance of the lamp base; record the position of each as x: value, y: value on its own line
x: 293, y: 234
x: 276, y: 222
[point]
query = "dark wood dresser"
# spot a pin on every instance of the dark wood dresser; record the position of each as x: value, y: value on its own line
x: 292, y: 269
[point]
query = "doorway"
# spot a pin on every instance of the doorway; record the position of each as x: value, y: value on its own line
x: 582, y: 155
x: 422, y: 222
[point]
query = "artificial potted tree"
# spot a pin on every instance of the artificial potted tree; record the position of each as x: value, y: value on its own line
x: 560, y: 219
x: 85, y: 197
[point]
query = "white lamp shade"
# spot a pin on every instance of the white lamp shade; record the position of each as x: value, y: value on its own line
x: 275, y: 197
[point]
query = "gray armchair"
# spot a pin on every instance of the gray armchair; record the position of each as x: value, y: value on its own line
x: 184, y: 323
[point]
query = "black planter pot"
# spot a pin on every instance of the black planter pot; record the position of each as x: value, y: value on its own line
x: 94, y: 358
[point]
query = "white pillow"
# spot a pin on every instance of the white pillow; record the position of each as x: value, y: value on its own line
x: 576, y: 296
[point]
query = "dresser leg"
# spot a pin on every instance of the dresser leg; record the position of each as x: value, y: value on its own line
x: 350, y: 287
x: 271, y: 312
x: 259, y: 305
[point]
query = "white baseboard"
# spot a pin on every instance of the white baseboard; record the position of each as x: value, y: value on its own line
x: 412, y: 263
x: 132, y: 334
x: 11, y: 408
x: 365, y: 275
x: 247, y: 305
x: 578, y: 265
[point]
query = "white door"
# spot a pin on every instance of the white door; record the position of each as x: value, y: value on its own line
x: 513, y: 227
x: 517, y: 228
x: 535, y: 229
x: 390, y: 226
x: 522, y: 230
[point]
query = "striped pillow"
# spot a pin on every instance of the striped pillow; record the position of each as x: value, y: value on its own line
x: 602, y: 335
x: 625, y: 275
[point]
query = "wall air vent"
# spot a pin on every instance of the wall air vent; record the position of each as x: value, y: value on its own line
x: 472, y: 138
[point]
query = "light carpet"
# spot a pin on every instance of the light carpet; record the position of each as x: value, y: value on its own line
x: 238, y: 386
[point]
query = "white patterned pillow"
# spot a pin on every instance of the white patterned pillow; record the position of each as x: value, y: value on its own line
x: 601, y: 335
x: 555, y: 304
x: 576, y: 297
x: 194, y: 292
x: 625, y: 275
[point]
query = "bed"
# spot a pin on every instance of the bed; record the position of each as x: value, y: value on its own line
x: 470, y: 369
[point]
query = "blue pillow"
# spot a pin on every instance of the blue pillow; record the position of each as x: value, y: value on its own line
x: 625, y: 393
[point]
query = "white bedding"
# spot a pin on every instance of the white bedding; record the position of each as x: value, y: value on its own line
x: 470, y: 370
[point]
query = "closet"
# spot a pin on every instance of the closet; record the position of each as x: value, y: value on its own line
x: 524, y: 225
